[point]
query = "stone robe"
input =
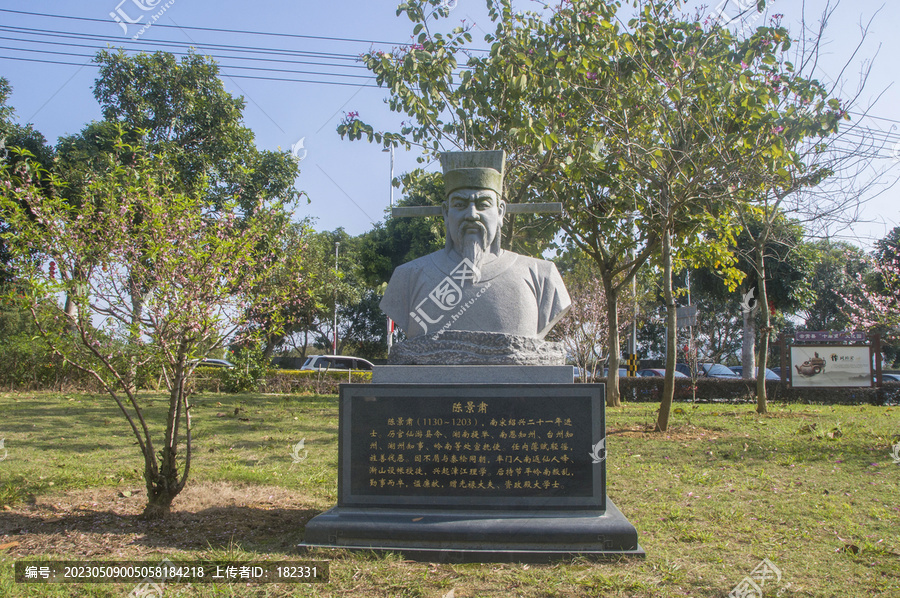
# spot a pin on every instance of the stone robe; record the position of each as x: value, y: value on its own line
x: 516, y: 295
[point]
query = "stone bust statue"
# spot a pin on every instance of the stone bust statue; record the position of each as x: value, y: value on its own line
x: 472, y: 285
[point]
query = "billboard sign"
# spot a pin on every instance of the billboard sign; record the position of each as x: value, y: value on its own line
x: 822, y: 366
x: 830, y: 337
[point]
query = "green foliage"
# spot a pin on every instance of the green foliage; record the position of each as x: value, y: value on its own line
x: 6, y: 111
x: 788, y: 272
x: 400, y: 240
x: 663, y: 119
x: 364, y: 327
x: 248, y: 373
x: 167, y: 280
x: 185, y: 113
x: 17, y: 144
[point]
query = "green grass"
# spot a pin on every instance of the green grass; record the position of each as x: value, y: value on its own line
x: 811, y: 488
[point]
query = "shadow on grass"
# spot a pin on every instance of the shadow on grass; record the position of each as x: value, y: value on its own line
x: 254, y: 529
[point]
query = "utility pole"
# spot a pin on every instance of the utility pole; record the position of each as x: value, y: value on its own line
x: 390, y: 324
x: 337, y: 245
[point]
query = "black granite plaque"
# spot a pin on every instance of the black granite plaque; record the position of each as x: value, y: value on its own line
x: 474, y: 446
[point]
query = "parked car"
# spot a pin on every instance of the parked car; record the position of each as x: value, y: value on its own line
x: 707, y: 370
x: 212, y: 363
x: 658, y: 372
x: 770, y: 375
x: 623, y: 372
x: 890, y: 377
x: 336, y: 362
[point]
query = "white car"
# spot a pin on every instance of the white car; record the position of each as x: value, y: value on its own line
x: 336, y: 362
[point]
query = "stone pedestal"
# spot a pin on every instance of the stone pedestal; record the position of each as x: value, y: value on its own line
x: 474, y: 471
x: 450, y: 535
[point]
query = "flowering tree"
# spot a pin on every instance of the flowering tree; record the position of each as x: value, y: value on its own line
x: 879, y: 305
x: 156, y: 277
x: 584, y: 331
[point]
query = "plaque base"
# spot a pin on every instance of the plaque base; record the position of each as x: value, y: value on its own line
x: 484, y: 536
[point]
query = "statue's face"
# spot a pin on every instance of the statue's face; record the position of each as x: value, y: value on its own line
x: 474, y: 216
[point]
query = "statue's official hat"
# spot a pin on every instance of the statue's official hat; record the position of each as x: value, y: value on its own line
x: 473, y: 170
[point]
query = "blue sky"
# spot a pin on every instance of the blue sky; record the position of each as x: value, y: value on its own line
x: 347, y: 182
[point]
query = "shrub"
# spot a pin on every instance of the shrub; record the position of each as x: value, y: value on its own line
x: 248, y: 373
x: 723, y: 389
x: 312, y: 381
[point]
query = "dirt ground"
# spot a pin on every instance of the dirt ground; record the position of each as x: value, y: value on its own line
x: 103, y: 523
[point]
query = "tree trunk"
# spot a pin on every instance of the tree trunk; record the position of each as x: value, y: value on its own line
x: 162, y: 479
x: 748, y: 343
x: 70, y: 307
x: 612, y: 319
x: 668, y: 394
x: 163, y: 487
x: 272, y: 341
x: 764, y: 329
x: 134, y: 338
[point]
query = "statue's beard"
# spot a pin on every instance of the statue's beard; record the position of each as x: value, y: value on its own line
x: 473, y: 248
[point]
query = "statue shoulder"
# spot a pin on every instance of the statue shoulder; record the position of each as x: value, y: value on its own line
x: 426, y: 262
x: 539, y: 265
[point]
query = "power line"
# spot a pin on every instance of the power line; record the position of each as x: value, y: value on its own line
x: 225, y: 74
x: 255, y: 58
x: 25, y: 31
x: 890, y: 120
x: 223, y: 66
x: 116, y: 41
x: 214, y: 29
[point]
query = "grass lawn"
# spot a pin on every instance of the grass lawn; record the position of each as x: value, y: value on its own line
x: 811, y: 488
